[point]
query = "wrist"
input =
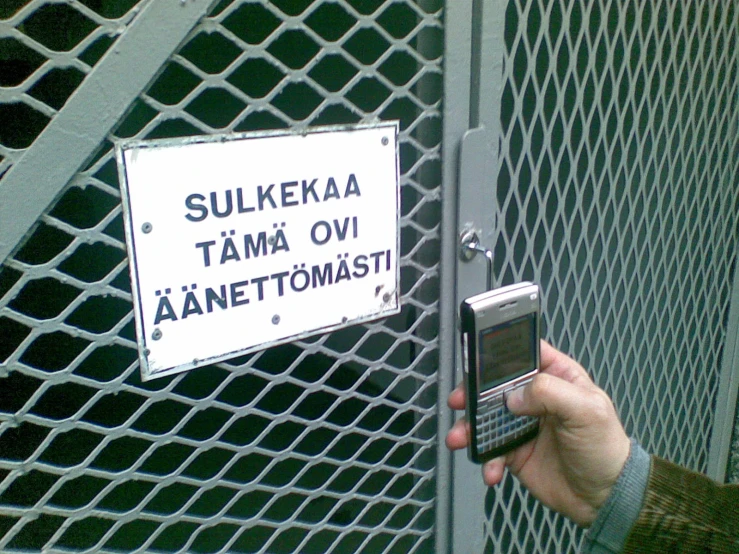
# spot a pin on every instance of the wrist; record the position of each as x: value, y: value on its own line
x: 621, y: 509
x: 613, y: 469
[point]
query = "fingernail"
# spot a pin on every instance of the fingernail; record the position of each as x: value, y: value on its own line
x: 484, y: 472
x: 514, y: 399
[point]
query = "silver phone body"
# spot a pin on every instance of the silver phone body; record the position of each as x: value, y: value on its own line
x: 500, y: 351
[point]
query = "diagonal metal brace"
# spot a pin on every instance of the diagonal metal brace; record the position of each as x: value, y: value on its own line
x: 77, y: 131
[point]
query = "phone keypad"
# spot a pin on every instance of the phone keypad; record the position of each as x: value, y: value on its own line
x: 496, y: 424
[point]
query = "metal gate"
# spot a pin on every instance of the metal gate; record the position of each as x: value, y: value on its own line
x: 324, y: 445
x: 607, y: 133
x: 607, y: 165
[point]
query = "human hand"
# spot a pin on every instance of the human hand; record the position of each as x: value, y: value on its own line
x: 574, y: 461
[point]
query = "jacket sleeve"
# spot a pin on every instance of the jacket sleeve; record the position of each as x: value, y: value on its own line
x: 685, y: 513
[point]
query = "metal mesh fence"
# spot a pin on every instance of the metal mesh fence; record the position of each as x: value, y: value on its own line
x: 324, y: 445
x: 617, y: 190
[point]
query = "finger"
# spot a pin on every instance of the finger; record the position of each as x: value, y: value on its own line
x: 548, y: 353
x: 492, y: 471
x: 457, y: 399
x: 457, y: 437
x: 561, y: 365
x: 548, y: 395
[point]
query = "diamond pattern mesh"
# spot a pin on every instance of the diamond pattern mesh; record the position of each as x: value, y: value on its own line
x: 617, y: 190
x: 325, y: 445
x: 46, y: 51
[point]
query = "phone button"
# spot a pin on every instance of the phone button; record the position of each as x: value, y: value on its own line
x: 465, y: 353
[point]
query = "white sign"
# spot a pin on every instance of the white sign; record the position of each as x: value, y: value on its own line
x: 237, y: 243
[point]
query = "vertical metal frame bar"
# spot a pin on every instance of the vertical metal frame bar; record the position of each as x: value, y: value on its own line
x: 473, y: 41
x: 728, y: 386
x: 457, y: 64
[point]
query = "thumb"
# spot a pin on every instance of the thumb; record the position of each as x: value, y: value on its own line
x: 547, y: 395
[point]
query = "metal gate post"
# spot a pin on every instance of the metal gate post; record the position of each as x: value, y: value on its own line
x: 727, y: 392
x: 457, y: 516
x: 471, y: 130
x: 728, y: 385
x: 457, y: 16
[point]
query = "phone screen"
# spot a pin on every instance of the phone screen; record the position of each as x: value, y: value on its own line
x: 507, y: 350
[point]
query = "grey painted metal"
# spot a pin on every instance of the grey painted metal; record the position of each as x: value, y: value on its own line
x: 463, y: 518
x: 327, y: 445
x: 726, y: 396
x: 456, y: 520
x: 476, y: 180
x: 476, y: 164
x: 732, y: 463
x: 723, y: 460
x: 617, y: 181
x: 492, y: 57
x: 77, y: 57
x: 451, y: 522
x: 74, y: 135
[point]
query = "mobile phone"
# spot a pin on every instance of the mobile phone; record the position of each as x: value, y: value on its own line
x: 500, y: 351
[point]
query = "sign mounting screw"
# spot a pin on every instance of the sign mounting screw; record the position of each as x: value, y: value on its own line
x: 157, y: 334
x: 146, y: 227
x: 385, y: 141
x: 275, y: 319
